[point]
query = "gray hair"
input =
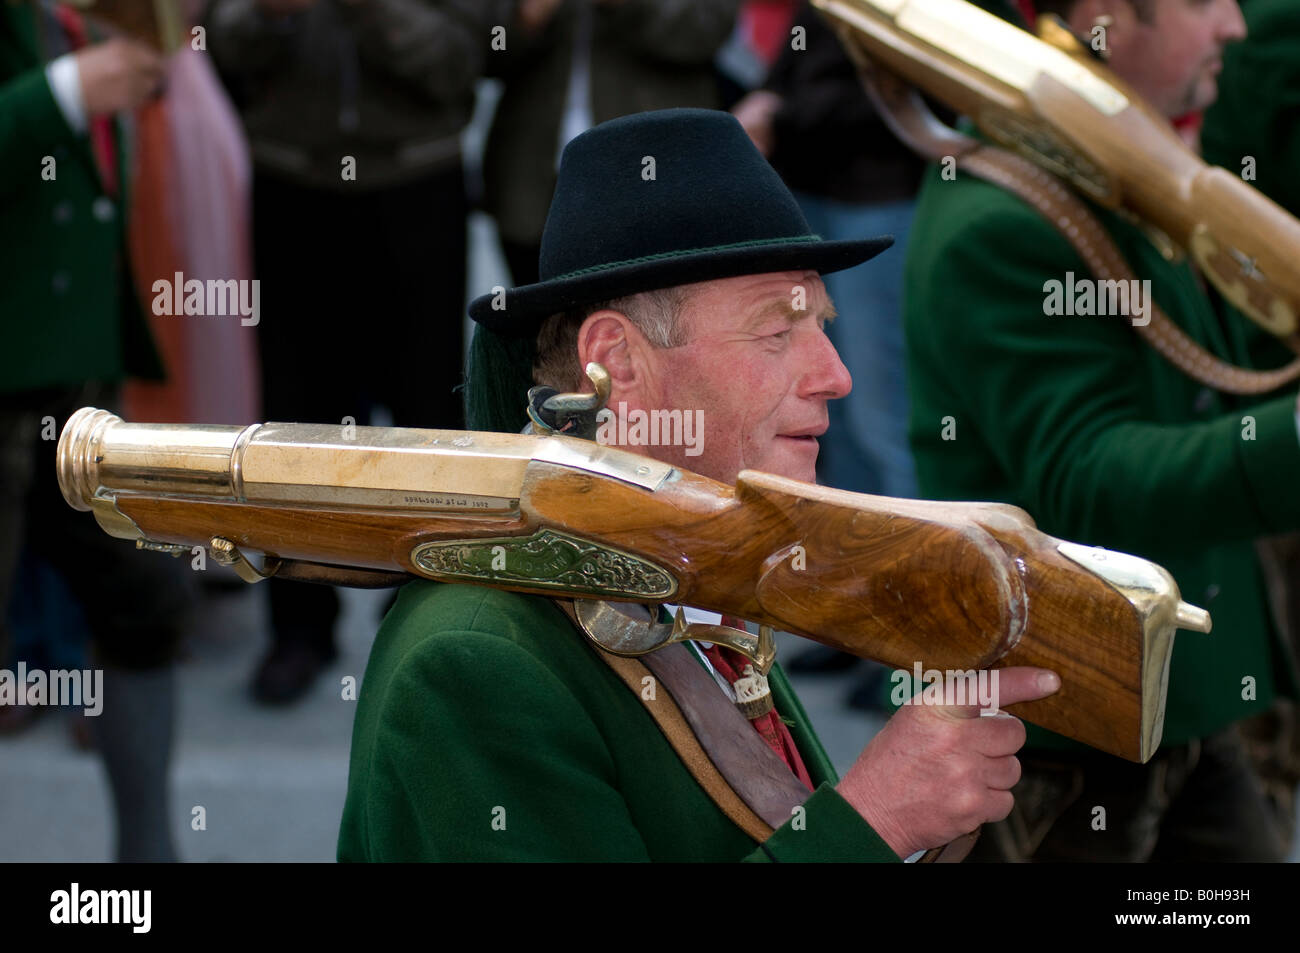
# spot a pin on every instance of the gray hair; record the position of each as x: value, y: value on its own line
x: 657, y: 314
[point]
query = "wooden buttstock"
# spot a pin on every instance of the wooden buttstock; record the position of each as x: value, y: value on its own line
x: 956, y: 586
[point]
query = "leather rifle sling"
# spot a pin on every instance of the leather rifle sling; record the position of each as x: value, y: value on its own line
x: 1068, y: 214
x: 727, y: 758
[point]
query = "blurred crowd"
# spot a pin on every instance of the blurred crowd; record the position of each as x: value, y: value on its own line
x: 317, y: 147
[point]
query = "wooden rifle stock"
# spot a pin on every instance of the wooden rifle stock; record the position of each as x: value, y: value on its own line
x: 948, y: 586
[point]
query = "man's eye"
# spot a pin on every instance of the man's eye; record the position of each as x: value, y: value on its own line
x: 782, y: 335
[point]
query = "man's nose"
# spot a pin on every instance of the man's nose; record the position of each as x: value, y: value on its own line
x: 825, y: 374
x: 1232, y: 25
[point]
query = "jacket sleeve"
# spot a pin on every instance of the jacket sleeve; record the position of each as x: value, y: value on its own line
x: 688, y: 32
x: 828, y: 830
x: 1058, y: 401
x: 439, y: 46
x: 31, y: 127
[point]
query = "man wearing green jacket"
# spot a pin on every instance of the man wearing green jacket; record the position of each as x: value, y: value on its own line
x: 1251, y: 131
x: 487, y: 728
x: 1080, y: 422
x: 72, y: 331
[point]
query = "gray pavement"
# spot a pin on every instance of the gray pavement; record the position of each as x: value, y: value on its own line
x: 271, y: 781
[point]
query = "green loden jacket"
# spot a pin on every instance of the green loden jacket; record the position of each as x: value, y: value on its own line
x: 68, y: 313
x: 488, y: 730
x: 1096, y: 435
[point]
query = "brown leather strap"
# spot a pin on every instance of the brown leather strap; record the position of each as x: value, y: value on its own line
x: 751, y: 768
x: 662, y: 707
x: 1071, y: 217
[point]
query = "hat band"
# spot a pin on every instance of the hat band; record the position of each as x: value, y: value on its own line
x: 660, y: 256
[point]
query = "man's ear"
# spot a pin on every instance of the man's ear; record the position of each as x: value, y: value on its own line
x: 609, y: 338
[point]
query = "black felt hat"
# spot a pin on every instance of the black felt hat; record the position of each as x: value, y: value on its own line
x: 659, y: 199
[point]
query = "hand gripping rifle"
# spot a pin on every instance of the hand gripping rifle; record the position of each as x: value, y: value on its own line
x: 1049, y: 100
x: 954, y: 586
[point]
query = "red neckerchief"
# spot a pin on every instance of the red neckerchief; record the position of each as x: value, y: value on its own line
x: 102, y: 143
x: 1191, y: 121
x: 731, y: 666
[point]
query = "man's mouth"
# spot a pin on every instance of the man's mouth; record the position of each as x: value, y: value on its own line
x: 805, y: 437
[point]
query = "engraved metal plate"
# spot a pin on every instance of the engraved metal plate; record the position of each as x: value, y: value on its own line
x: 546, y: 560
x: 1039, y: 142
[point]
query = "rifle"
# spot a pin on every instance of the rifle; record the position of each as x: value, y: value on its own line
x: 954, y: 586
x: 1048, y: 99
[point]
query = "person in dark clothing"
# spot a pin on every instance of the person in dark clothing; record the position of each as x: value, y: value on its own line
x: 569, y: 64
x: 73, y: 331
x: 354, y: 111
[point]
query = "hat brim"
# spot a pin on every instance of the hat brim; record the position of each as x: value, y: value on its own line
x: 527, y: 306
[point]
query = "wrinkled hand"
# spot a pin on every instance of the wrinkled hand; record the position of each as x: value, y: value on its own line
x: 757, y: 112
x: 936, y: 772
x: 118, y: 75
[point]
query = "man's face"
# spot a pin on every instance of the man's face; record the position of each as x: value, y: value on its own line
x: 1174, y: 59
x: 759, y: 368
